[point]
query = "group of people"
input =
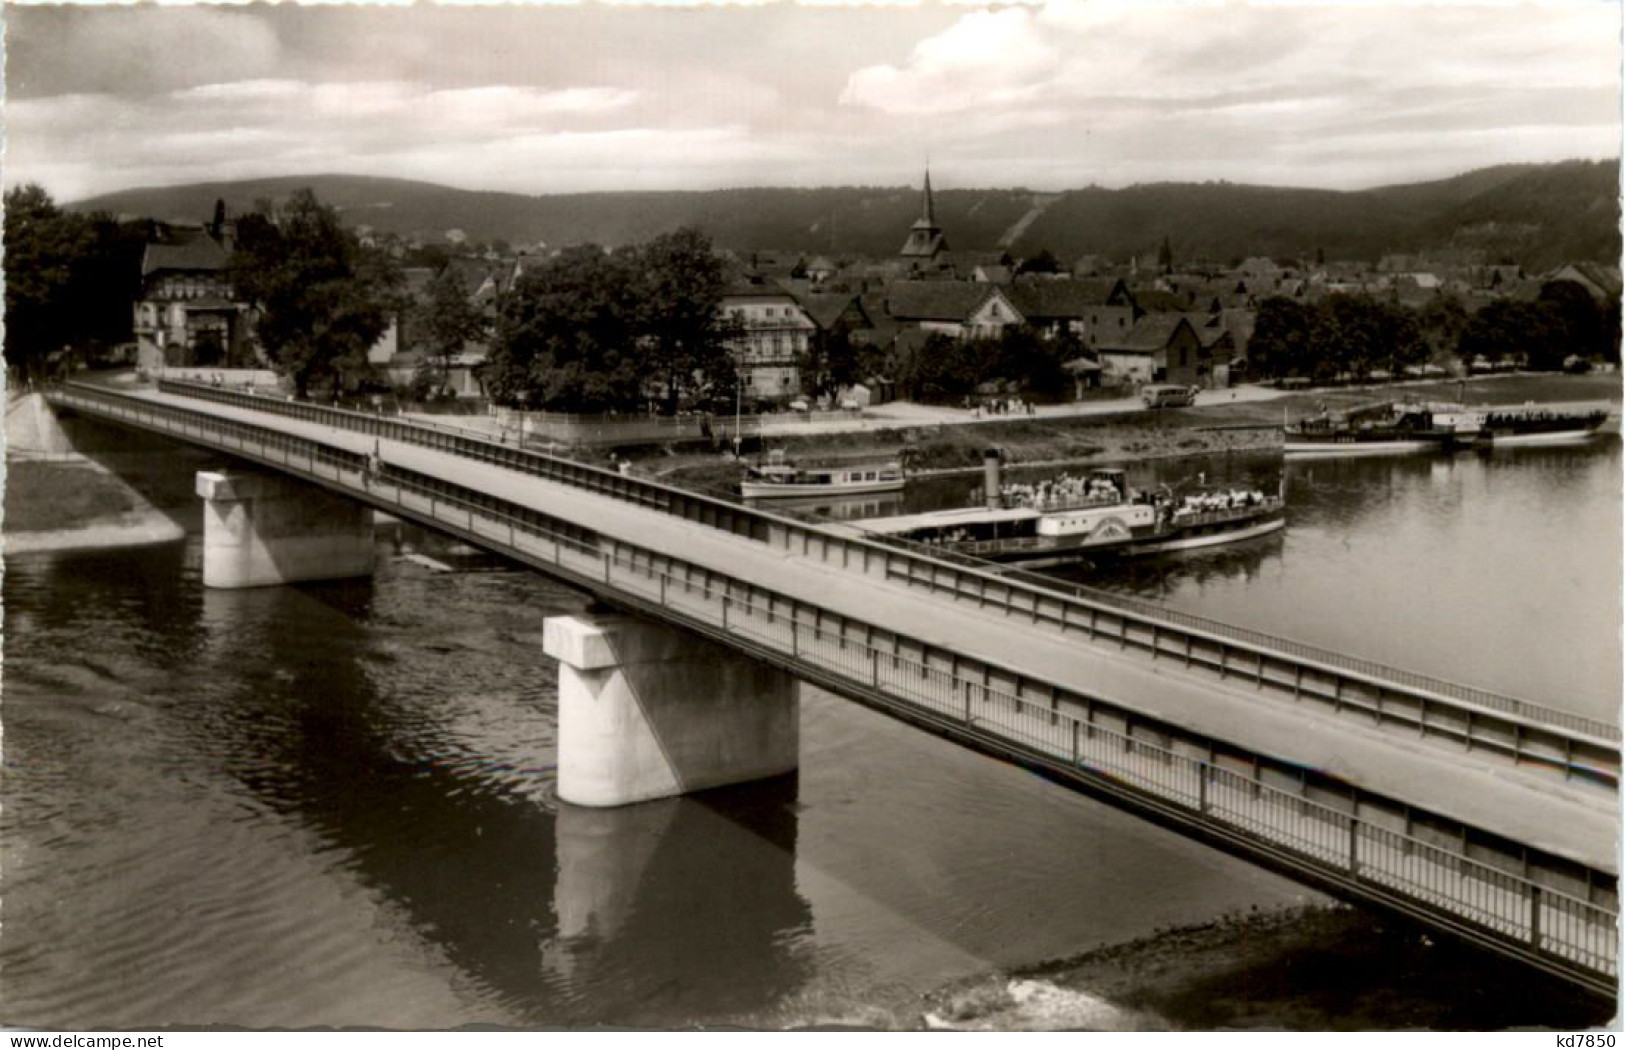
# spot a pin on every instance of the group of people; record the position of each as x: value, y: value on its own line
x: 947, y: 539
x: 1064, y: 490
x: 1002, y: 406
x: 1207, y: 502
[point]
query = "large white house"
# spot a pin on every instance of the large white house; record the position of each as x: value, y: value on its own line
x: 774, y: 334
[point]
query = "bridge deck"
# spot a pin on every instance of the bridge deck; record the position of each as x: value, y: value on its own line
x: 1569, y: 819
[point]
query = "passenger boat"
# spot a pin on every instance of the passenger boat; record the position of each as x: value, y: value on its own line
x: 1411, y: 426
x: 1098, y: 514
x: 778, y: 478
x: 1388, y: 427
x: 1499, y: 426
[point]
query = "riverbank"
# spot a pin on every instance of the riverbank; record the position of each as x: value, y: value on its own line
x: 71, y: 503
x: 1312, y: 968
x: 1245, y: 424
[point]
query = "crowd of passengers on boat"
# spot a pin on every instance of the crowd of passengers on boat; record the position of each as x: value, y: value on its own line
x: 1066, y: 490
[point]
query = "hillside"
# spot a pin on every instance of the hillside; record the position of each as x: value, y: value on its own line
x: 1536, y: 215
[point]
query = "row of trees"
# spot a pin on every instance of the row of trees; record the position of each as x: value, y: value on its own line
x: 1357, y: 335
x: 70, y: 280
x: 946, y: 370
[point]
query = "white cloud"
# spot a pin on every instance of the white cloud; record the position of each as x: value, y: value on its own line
x: 1050, y: 96
x: 987, y: 58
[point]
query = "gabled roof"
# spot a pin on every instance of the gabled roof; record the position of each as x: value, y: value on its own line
x: 1604, y: 279
x: 1157, y: 301
x: 936, y: 300
x: 827, y: 308
x: 1209, y: 328
x: 1062, y: 299
x: 1150, y: 333
x: 475, y: 273
x: 194, y: 251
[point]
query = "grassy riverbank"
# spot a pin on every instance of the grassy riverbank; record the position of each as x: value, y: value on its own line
x: 42, y: 496
x: 65, y: 503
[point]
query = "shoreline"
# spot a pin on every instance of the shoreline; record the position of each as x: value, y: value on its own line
x: 142, y: 530
x: 71, y: 502
x: 1309, y: 967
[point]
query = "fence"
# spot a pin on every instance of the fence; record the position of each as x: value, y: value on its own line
x: 1514, y: 900
x: 1495, y: 722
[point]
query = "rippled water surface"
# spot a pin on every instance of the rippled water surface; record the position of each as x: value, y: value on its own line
x: 333, y: 804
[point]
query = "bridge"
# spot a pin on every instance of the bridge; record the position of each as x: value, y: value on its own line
x: 1486, y: 817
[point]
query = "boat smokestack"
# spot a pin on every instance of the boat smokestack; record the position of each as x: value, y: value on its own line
x: 993, y: 477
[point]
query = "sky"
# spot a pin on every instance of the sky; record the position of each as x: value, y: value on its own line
x: 554, y: 98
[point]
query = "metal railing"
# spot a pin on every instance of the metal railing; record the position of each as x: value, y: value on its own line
x: 1343, y: 840
x: 1552, y: 734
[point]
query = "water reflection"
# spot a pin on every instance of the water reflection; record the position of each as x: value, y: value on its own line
x: 848, y: 508
x: 558, y: 915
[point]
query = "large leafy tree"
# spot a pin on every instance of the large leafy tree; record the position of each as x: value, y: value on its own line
x: 443, y: 324
x: 1443, y: 319
x: 566, y: 337
x: 944, y: 369
x: 1282, y: 340
x: 46, y: 254
x: 1577, y: 318
x: 830, y: 361
x: 679, y: 282
x: 1513, y: 330
x: 322, y: 300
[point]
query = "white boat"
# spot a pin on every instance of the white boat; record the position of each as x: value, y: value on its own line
x: 1504, y: 425
x: 1383, y: 429
x: 778, y: 479
x: 1095, y: 515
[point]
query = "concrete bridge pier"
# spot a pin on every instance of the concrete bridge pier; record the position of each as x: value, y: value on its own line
x: 649, y: 712
x: 261, y: 530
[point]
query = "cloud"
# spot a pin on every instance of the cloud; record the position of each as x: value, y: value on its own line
x: 133, y: 50
x: 1051, y: 96
x: 987, y: 58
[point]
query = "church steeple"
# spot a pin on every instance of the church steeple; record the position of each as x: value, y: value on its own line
x: 925, y: 238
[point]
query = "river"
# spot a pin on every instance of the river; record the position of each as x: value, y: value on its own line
x: 332, y: 804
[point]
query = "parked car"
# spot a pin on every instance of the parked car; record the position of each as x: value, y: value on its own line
x: 1166, y: 396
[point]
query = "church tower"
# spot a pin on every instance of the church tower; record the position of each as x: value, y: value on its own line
x: 925, y: 238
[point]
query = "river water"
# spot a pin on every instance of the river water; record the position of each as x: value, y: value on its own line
x: 332, y: 804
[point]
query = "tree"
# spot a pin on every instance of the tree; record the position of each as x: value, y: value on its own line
x: 679, y: 282
x: 1044, y: 262
x: 443, y: 324
x: 1510, y: 330
x: 322, y: 300
x: 1398, y: 329
x: 1034, y: 362
x: 1281, y: 343
x: 1575, y: 316
x: 46, y: 250
x: 1442, y: 320
x: 943, y: 369
x: 566, y: 335
x: 830, y: 361
x: 1165, y: 256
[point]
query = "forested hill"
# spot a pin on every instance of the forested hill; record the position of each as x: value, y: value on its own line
x: 1537, y: 215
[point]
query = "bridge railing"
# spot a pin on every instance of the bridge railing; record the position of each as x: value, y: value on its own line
x: 1352, y: 838
x: 951, y: 574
